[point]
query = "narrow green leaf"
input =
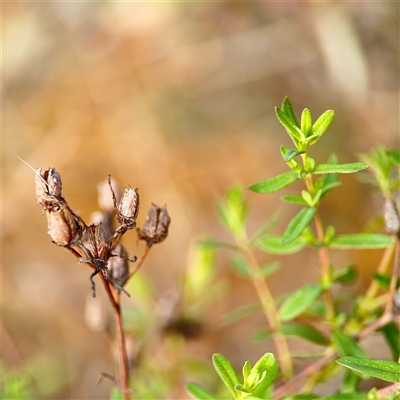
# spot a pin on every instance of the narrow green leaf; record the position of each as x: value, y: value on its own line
x: 350, y: 382
x: 226, y: 372
x: 346, y: 275
x: 386, y: 370
x: 293, y: 131
x: 383, y: 280
x: 288, y: 109
x: 339, y: 168
x: 268, y: 364
x: 299, y: 301
x: 241, y: 312
x: 274, y: 184
x: 262, y: 334
x: 294, y: 199
x: 394, y: 156
x: 306, y: 122
x: 199, y: 393
x: 391, y: 334
x: 273, y: 245
x: 304, y: 396
x: 346, y: 396
x: 361, y: 241
x: 322, y: 123
x: 270, y: 268
x: 297, y: 225
x: 346, y: 345
x: 240, y: 266
x: 290, y: 154
x: 304, y: 331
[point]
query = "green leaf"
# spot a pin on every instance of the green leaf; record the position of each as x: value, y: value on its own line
x: 391, y: 334
x: 304, y: 331
x: 288, y: 110
x: 306, y: 122
x: 270, y: 268
x: 241, y: 312
x: 199, y: 393
x: 288, y: 124
x: 386, y: 370
x: 226, y: 372
x: 268, y: 364
x: 273, y: 245
x: 304, y: 396
x: 274, y: 184
x: 297, y: 225
x: 290, y: 154
x: 321, y: 125
x: 350, y: 382
x: 346, y: 396
x: 394, y: 156
x: 262, y: 334
x: 294, y: 199
x: 382, y: 280
x: 339, y: 168
x: 346, y: 345
x: 240, y: 266
x: 299, y: 301
x: 361, y: 241
x: 233, y: 210
x: 346, y: 275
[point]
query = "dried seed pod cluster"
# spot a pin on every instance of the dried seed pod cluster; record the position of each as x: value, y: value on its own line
x: 155, y: 228
x: 98, y: 244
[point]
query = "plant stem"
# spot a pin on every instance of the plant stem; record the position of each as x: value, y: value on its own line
x: 138, y: 264
x: 324, y: 267
x: 270, y: 311
x: 119, y: 329
x: 382, y: 268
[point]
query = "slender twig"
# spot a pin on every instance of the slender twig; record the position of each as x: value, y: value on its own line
x: 138, y: 263
x: 119, y: 329
x: 271, y: 313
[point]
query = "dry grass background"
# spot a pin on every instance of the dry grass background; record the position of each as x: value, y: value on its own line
x: 176, y: 99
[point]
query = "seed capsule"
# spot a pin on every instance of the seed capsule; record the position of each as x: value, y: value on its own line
x: 48, y: 186
x: 61, y: 223
x: 155, y: 228
x: 128, y: 208
x: 391, y: 211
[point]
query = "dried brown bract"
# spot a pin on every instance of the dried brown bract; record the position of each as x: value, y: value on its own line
x: 118, y: 268
x: 155, y: 228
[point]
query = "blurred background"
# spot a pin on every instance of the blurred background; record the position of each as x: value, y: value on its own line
x: 176, y: 99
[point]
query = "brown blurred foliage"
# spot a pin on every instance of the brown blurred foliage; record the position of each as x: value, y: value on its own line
x: 175, y: 99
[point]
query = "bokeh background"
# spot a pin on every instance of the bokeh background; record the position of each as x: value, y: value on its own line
x: 177, y: 99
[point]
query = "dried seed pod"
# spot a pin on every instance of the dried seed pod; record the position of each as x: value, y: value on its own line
x: 63, y: 227
x: 128, y: 208
x: 391, y: 214
x: 48, y: 186
x: 155, y: 228
x: 118, y: 269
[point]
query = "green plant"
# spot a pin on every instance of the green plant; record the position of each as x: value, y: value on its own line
x: 312, y: 312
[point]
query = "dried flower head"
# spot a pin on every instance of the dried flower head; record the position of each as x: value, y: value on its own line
x: 391, y: 214
x: 62, y: 224
x: 118, y: 268
x: 48, y: 186
x: 155, y: 228
x: 128, y: 208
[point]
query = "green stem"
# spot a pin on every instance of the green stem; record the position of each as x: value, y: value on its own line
x: 270, y: 311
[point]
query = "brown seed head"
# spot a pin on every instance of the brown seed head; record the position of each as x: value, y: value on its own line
x: 48, y: 186
x: 155, y: 228
x: 62, y: 224
x: 128, y: 208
